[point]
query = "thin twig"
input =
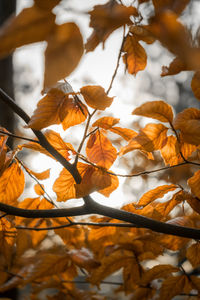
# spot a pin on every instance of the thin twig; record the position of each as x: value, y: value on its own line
x: 77, y: 224
x: 118, y: 60
x: 18, y: 137
x: 86, y: 282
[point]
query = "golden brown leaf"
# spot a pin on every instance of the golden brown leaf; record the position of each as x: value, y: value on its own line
x: 175, y: 67
x: 125, y: 133
x: 141, y: 33
x: 56, y: 141
x: 105, y: 182
x: 174, y: 285
x: 106, y: 18
x: 63, y: 53
x: 95, y: 97
x: 188, y: 122
x: 11, y: 184
x: 194, y: 184
x: 193, y: 254
x: 158, y: 110
x: 174, y: 5
x: 143, y: 293
x: 159, y: 271
x: 30, y: 26
x: 39, y: 191
x: 194, y: 203
x: 40, y: 175
x: 148, y: 139
x: 135, y: 57
x: 156, y: 193
x: 195, y: 84
x: 7, y: 238
x: 105, y: 122
x: 46, y: 5
x: 100, y: 150
x: 170, y: 152
x: 83, y: 258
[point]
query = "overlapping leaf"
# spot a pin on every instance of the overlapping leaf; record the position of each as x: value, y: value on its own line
x: 30, y: 26
x: 135, y: 57
x: 175, y: 67
x: 100, y: 150
x: 66, y: 45
x: 193, y: 183
x: 188, y: 122
x: 105, y: 122
x: 174, y: 5
x: 11, y: 184
x: 150, y: 138
x: 158, y: 110
x: 195, y: 85
x: 106, y: 18
x: 95, y: 97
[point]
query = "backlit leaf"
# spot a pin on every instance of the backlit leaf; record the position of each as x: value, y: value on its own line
x: 30, y: 26
x: 194, y: 203
x: 40, y: 175
x: 158, y: 110
x: 159, y: 271
x: 188, y: 122
x: 170, y: 152
x: 46, y: 5
x: 195, y: 85
x: 135, y: 57
x: 39, y: 191
x: 56, y: 141
x: 141, y: 33
x: 174, y: 5
x: 156, y: 193
x: 7, y: 238
x: 106, y: 18
x: 100, y: 150
x: 150, y: 138
x: 66, y: 45
x: 107, y: 183
x: 95, y: 97
x: 193, y: 254
x: 83, y: 258
x: 105, y: 122
x: 194, y: 184
x: 174, y: 285
x: 125, y: 133
x: 175, y: 67
x: 11, y: 184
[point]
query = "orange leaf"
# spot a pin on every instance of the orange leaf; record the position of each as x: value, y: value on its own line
x: 175, y: 285
x: 83, y: 258
x: 66, y: 188
x: 170, y: 152
x: 100, y: 150
x: 40, y: 175
x: 148, y: 139
x: 125, y: 133
x: 175, y: 67
x: 141, y: 33
x: 106, y: 122
x: 7, y: 239
x: 30, y: 26
x: 174, y: 5
x: 46, y: 5
x: 195, y: 84
x: 193, y: 183
x: 35, y: 203
x: 63, y: 53
x: 158, y: 110
x: 156, y: 193
x: 194, y: 203
x: 39, y: 191
x: 135, y: 57
x: 56, y: 141
x: 193, y: 254
x: 95, y: 97
x: 188, y: 122
x: 106, y: 18
x: 106, y: 183
x: 11, y: 184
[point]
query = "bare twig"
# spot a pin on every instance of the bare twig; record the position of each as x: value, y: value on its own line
x: 18, y: 137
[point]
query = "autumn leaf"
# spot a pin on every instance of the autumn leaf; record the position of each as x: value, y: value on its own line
x: 39, y: 189
x: 175, y: 67
x: 106, y: 18
x: 66, y: 44
x: 125, y: 133
x: 135, y: 57
x: 188, y: 122
x: 30, y: 26
x: 193, y: 183
x: 150, y: 138
x: 83, y: 258
x: 11, y: 184
x: 158, y: 110
x: 156, y: 193
x: 105, y: 182
x: 7, y: 239
x: 171, y: 152
x: 46, y: 5
x: 40, y: 175
x: 105, y: 122
x: 100, y: 150
x: 173, y: 5
x: 195, y: 84
x: 95, y: 97
x: 193, y: 254
x: 141, y: 33
x: 56, y: 141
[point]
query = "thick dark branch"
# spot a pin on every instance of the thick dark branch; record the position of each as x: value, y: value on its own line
x: 42, y: 139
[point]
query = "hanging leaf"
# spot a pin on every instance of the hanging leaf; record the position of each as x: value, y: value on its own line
x: 39, y: 189
x: 156, y: 193
x: 173, y: 5
x: 11, y: 184
x: 188, y: 122
x: 135, y: 57
x: 158, y: 110
x: 175, y: 67
x: 106, y: 183
x: 100, y: 150
x: 141, y: 33
x: 63, y: 53
x: 30, y: 26
x: 106, y: 122
x: 7, y: 239
x: 171, y: 152
x: 150, y: 138
x: 95, y: 97
x: 125, y: 133
x: 106, y: 18
x: 193, y: 183
x: 195, y: 84
x: 40, y: 175
x: 193, y: 254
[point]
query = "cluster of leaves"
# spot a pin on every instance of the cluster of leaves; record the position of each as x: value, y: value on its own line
x: 100, y: 246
